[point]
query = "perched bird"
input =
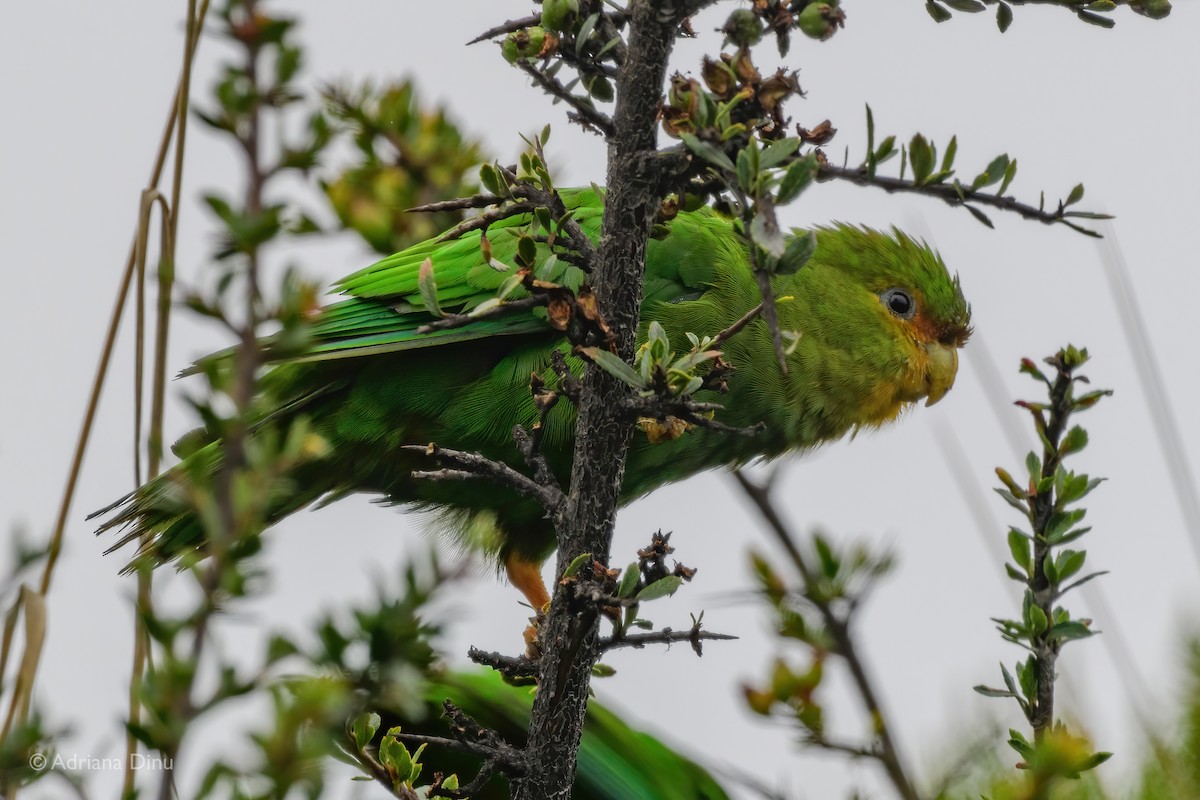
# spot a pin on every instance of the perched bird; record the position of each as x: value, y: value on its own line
x: 878, y: 316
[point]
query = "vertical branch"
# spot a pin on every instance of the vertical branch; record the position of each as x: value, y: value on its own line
x: 166, y: 276
x: 1041, y: 715
x: 602, y: 432
x: 838, y: 627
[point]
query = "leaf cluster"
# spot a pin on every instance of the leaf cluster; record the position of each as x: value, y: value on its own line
x: 1048, y: 499
x: 1093, y: 12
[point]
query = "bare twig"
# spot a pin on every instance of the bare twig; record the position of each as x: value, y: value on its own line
x: 953, y: 195
x: 737, y: 326
x: 511, y: 667
x: 507, y: 27
x: 584, y: 112
x: 507, y: 307
x: 535, y: 458
x: 683, y: 408
x: 474, y: 465
x: 457, y: 204
x: 485, y: 219
x: 667, y: 636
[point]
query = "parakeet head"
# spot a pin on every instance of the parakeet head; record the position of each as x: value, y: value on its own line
x: 888, y: 319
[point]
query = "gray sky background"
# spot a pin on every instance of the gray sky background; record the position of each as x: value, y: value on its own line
x: 84, y: 89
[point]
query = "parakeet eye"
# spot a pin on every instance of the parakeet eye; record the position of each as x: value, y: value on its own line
x: 899, y: 302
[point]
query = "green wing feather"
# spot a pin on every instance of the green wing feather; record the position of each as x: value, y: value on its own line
x: 616, y: 761
x: 386, y: 309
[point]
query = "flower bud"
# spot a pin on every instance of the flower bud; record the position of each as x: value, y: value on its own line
x: 821, y: 20
x: 743, y: 28
x: 525, y: 43
x: 559, y: 15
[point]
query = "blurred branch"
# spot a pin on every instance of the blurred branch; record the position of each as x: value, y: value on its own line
x: 838, y: 627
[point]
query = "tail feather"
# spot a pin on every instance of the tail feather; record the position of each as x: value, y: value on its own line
x: 158, y: 515
x: 161, y: 518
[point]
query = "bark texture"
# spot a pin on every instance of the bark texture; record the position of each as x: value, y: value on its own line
x: 570, y: 637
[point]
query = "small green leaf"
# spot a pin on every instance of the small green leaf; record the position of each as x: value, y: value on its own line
x: 1036, y: 620
x: 1010, y: 172
x: 1027, y: 676
x: 427, y: 283
x: 662, y: 587
x: 747, y: 174
x: 886, y: 149
x: 708, y: 152
x: 1082, y: 581
x: 979, y: 215
x: 988, y: 692
x: 776, y: 152
x: 1061, y: 522
x: 1033, y: 465
x: 1019, y: 743
x: 1075, y: 196
x: 1069, y: 631
x: 938, y: 13
x: 1018, y: 545
x: 1093, y: 761
x: 951, y: 151
x: 490, y: 178
x: 614, y: 366
x: 921, y: 155
x: 365, y: 726
x: 1004, y: 16
x: 629, y: 580
x: 395, y: 756
x: 1069, y: 562
x: 970, y: 6
x: 797, y: 178
x: 577, y: 564
x: 800, y: 247
x: 1095, y: 19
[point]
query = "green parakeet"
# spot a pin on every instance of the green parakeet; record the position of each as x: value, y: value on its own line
x: 878, y: 316
x: 616, y: 762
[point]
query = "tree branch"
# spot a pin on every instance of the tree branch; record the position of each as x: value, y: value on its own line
x: 667, y: 636
x: 473, y: 465
x: 839, y: 630
x: 958, y: 196
x: 584, y: 112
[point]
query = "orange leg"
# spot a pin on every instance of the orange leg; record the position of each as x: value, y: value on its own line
x: 527, y: 576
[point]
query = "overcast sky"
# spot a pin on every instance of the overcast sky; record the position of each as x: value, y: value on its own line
x: 84, y: 90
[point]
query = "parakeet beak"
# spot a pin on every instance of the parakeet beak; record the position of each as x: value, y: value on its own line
x: 943, y: 366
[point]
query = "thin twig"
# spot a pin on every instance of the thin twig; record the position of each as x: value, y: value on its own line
x: 485, y: 219
x: 507, y: 307
x: 457, y: 204
x: 474, y: 465
x: 839, y: 630
x: 584, y: 112
x: 683, y: 408
x: 737, y: 327
x: 508, y: 27
x: 951, y: 195
x: 535, y: 458
x: 511, y: 667
x: 667, y: 636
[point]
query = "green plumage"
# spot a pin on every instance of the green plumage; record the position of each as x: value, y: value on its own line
x: 616, y: 762
x: 370, y: 384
